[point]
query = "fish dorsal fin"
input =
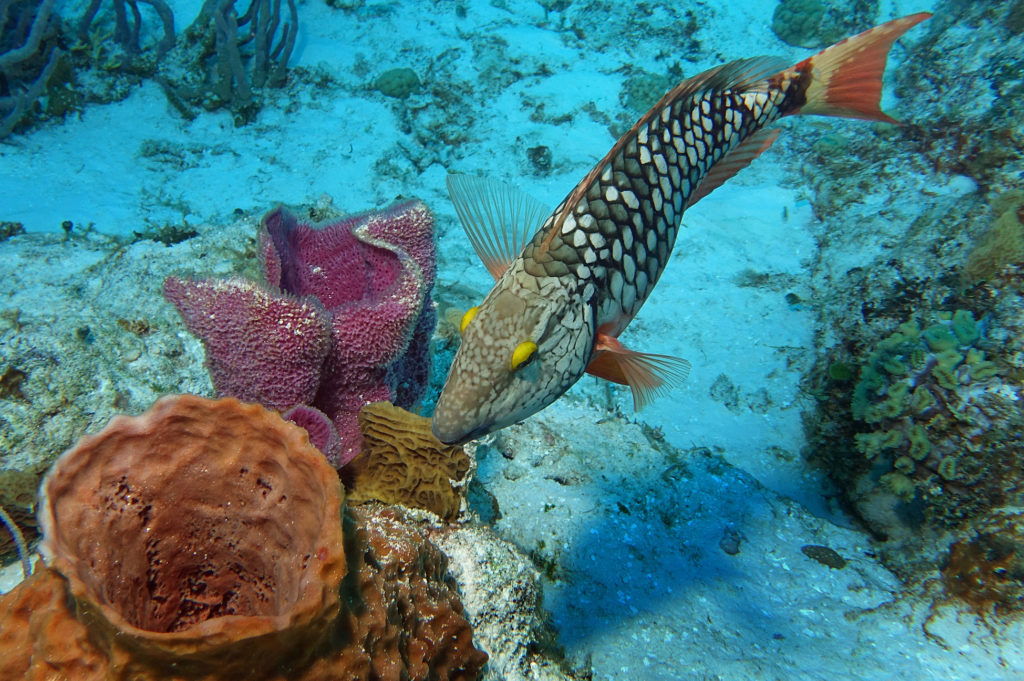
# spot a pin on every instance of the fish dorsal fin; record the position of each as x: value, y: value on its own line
x: 498, y: 218
x: 733, y: 162
x: 742, y: 75
x: 647, y: 375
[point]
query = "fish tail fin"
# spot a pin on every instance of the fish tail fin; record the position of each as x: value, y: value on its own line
x: 846, y: 79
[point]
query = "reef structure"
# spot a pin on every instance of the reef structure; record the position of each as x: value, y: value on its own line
x: 206, y: 539
x: 344, y: 319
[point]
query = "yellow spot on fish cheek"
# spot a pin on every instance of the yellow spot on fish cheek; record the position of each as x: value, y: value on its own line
x: 467, y: 318
x: 523, y: 354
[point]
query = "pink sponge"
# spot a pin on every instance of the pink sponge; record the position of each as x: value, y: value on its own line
x: 261, y: 346
x: 347, y: 319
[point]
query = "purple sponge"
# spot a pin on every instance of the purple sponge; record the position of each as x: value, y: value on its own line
x: 346, y: 321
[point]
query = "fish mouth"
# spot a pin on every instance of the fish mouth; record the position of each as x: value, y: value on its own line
x: 456, y: 437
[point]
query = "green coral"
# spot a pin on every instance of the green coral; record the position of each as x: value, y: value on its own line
x: 871, y: 444
x: 814, y: 23
x: 979, y: 367
x: 965, y: 328
x: 797, y: 22
x: 921, y: 400
x: 908, y: 392
x: 939, y: 338
x: 841, y: 371
x: 920, y: 445
x: 899, y: 484
x: 946, y: 363
x: 398, y: 83
x: 947, y: 468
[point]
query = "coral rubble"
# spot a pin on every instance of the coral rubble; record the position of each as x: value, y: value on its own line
x: 346, y: 321
x: 206, y: 540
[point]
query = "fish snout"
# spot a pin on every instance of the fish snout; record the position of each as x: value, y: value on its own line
x: 452, y: 428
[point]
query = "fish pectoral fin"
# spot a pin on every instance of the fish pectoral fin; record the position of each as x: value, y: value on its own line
x: 498, y: 218
x: 647, y: 375
x: 733, y: 162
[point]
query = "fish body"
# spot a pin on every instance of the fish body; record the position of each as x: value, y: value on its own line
x: 564, y: 294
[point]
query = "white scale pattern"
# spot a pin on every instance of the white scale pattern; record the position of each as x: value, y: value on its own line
x: 624, y: 226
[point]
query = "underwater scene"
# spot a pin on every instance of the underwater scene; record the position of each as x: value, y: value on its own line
x: 512, y: 339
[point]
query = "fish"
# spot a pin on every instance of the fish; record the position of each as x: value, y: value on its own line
x: 569, y: 282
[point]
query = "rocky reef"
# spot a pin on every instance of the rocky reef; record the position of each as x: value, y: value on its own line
x: 919, y: 376
x: 108, y: 343
x: 227, y: 56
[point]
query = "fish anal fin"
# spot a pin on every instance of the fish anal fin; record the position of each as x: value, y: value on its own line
x: 846, y: 78
x: 733, y: 162
x: 498, y: 218
x: 647, y: 375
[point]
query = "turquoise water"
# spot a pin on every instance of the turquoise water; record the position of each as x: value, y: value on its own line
x: 739, y: 527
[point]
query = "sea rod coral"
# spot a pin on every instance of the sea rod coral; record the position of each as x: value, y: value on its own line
x: 206, y: 539
x: 344, y: 319
x: 28, y: 57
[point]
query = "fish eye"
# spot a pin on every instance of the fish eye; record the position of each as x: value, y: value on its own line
x: 523, y: 355
x: 468, y: 317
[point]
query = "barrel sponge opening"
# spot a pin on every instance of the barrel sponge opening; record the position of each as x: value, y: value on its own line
x: 197, y: 510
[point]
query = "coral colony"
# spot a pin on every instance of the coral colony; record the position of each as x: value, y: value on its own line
x: 259, y: 580
x: 345, y: 319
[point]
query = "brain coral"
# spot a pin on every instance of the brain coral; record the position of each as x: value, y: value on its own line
x: 813, y: 23
x: 403, y: 463
x: 204, y: 540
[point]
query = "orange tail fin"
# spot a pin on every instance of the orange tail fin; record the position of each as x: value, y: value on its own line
x: 846, y: 79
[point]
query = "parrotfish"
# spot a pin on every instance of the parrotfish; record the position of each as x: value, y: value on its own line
x: 569, y: 284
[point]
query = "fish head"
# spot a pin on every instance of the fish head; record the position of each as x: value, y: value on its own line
x: 521, y: 349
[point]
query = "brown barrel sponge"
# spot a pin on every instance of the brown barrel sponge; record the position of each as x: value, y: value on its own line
x: 206, y: 532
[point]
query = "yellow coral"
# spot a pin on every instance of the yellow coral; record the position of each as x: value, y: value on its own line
x: 403, y: 463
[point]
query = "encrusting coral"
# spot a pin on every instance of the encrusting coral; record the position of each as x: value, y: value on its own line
x: 206, y: 540
x: 403, y: 463
x: 1002, y: 243
x: 933, y: 401
x: 928, y: 448
x: 986, y: 569
x: 346, y: 320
